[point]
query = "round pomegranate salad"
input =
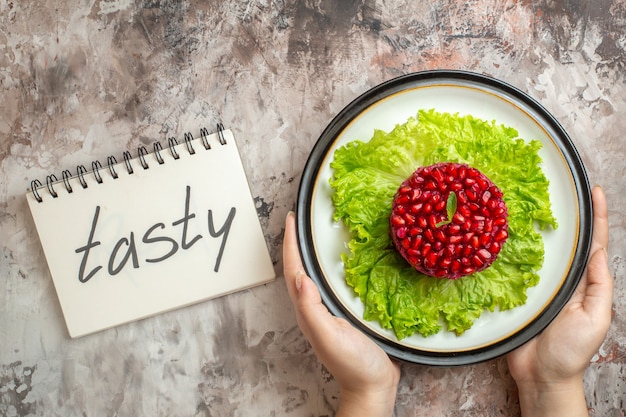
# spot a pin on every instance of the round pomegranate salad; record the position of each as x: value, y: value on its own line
x: 448, y: 220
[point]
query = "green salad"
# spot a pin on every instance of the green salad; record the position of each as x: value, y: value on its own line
x: 366, y: 176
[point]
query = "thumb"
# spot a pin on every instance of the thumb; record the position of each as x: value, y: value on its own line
x: 313, y: 317
x: 598, y: 297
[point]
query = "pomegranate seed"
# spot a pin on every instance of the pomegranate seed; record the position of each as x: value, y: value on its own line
x: 403, y: 199
x: 431, y: 260
x: 471, y: 195
x: 441, y: 273
x: 464, y: 211
x: 416, y: 208
x: 440, y: 235
x: 500, y: 235
x: 445, y: 263
x: 397, y: 220
x: 499, y: 211
x: 416, y: 194
x: 468, y: 270
x: 500, y: 221
x: 440, y: 246
x: 432, y: 221
x: 455, y: 266
x: 413, y: 252
x: 455, y: 239
x: 477, y: 261
x: 455, y: 186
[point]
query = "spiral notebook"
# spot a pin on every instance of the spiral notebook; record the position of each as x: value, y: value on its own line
x: 166, y: 228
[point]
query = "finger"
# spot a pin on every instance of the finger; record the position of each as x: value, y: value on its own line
x: 597, y: 286
x: 600, y: 237
x: 292, y: 264
x: 598, y: 299
x: 314, y: 319
x: 302, y: 290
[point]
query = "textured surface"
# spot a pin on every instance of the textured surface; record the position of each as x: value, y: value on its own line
x: 84, y: 79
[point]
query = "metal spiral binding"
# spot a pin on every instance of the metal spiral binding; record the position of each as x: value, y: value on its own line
x: 66, y: 175
x: 34, y: 184
x: 220, y: 133
x: 188, y: 138
x: 173, y: 142
x: 49, y: 180
x: 142, y: 152
x: 111, y: 162
x: 127, y: 158
x: 95, y: 168
x: 204, y: 133
x: 81, y: 171
x: 157, y: 152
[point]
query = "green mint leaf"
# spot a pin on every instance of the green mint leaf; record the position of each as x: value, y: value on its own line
x: 451, y: 205
x: 450, y: 209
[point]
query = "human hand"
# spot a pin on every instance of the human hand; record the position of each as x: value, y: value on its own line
x: 368, y: 379
x: 549, y: 369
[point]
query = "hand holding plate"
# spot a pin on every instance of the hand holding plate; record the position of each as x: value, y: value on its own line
x: 367, y: 377
x: 549, y: 369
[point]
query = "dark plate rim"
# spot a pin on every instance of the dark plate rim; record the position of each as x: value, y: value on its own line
x: 313, y: 268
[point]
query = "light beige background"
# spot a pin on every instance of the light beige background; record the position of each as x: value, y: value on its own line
x: 84, y: 79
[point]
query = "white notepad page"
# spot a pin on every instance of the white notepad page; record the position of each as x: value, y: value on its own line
x: 177, y: 233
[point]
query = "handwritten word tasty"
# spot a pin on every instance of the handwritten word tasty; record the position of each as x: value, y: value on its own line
x: 127, y: 249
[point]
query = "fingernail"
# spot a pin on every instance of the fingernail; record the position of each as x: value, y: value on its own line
x: 299, y: 279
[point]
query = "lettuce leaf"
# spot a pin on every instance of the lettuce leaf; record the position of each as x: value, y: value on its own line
x: 366, y: 176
